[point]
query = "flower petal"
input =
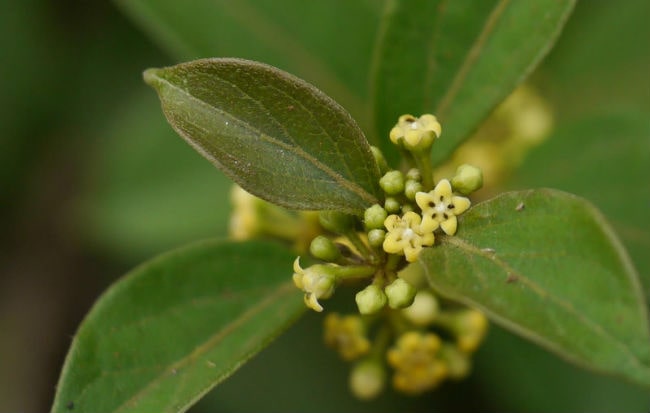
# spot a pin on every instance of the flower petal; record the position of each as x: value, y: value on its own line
x: 449, y: 225
x: 461, y: 204
x: 443, y: 189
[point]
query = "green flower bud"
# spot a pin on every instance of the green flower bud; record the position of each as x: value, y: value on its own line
x: 392, y: 205
x: 376, y: 237
x: 468, y: 179
x: 335, y: 221
x: 424, y: 309
x: 370, y: 300
x: 374, y: 217
x: 379, y: 158
x: 411, y: 188
x: 367, y: 379
x: 392, y: 182
x: 407, y: 208
x: 400, y: 294
x: 414, y: 175
x: 324, y: 249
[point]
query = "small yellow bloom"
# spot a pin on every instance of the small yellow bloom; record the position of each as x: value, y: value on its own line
x: 317, y: 281
x: 406, y: 235
x: 416, y: 133
x: 440, y: 207
x: 346, y: 335
x: 416, y: 362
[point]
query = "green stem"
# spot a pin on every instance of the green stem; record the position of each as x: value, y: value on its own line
x: 355, y: 271
x: 423, y: 162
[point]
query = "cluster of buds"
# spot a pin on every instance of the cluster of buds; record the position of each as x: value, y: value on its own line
x: 399, y: 321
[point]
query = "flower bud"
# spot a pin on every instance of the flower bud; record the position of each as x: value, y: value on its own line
x: 392, y: 205
x: 370, y: 300
x: 374, y: 217
x: 411, y: 188
x: 392, y: 182
x: 367, y: 379
x: 324, y: 249
x: 336, y: 221
x: 423, y: 310
x: 468, y: 179
x: 400, y: 294
x: 376, y: 237
x: 414, y: 174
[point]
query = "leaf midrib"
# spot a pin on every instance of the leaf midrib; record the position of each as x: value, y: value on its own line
x: 472, y: 55
x: 209, y: 344
x: 540, y: 291
x: 296, y: 150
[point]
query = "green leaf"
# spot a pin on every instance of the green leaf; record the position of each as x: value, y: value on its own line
x: 177, y: 326
x: 546, y: 265
x: 457, y: 60
x: 603, y: 157
x: 275, y: 135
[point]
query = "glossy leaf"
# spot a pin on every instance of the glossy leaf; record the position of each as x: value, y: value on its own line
x: 546, y: 265
x: 176, y: 326
x: 458, y: 60
x: 274, y: 134
x: 604, y: 158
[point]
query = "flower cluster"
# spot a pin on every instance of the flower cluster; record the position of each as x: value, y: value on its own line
x: 400, y: 323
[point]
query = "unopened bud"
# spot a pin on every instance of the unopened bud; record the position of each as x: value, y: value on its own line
x: 379, y: 158
x: 411, y: 188
x: 468, y: 179
x: 376, y: 237
x: 392, y: 205
x: 392, y: 182
x: 324, y: 249
x: 370, y: 300
x: 400, y: 294
x: 374, y: 217
x: 414, y: 174
x: 367, y: 379
x: 423, y: 310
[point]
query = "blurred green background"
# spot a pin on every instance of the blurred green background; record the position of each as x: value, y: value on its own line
x: 93, y: 181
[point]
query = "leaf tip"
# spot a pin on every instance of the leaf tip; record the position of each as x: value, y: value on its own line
x: 151, y: 77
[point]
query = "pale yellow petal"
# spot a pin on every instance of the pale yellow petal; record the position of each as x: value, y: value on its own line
x: 391, y: 244
x: 428, y: 225
x: 391, y: 221
x: 428, y: 239
x: 296, y: 266
x: 449, y: 225
x: 312, y: 302
x: 412, y: 253
x: 443, y: 189
x: 461, y: 204
x: 423, y: 199
x: 297, y: 280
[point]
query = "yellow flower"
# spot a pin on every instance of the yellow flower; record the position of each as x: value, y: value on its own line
x: 440, y: 207
x: 416, y: 362
x: 415, y: 133
x: 346, y: 335
x: 317, y: 281
x: 406, y: 235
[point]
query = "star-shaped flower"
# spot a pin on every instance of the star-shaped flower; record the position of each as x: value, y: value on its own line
x: 317, y: 281
x: 416, y: 362
x: 347, y: 335
x: 406, y: 235
x: 416, y: 133
x: 440, y: 207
